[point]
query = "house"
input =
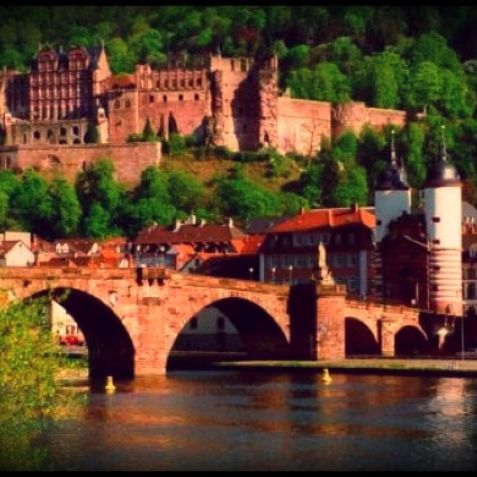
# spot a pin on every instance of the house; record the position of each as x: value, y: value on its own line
x: 14, y: 253
x: 288, y: 253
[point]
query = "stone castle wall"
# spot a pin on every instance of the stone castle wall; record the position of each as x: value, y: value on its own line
x: 233, y: 102
x: 129, y: 159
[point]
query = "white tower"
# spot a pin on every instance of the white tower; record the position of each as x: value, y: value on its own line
x: 392, y: 198
x: 392, y: 195
x: 443, y: 210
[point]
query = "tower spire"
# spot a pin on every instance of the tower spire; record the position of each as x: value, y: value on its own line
x: 394, y: 164
x: 443, y: 144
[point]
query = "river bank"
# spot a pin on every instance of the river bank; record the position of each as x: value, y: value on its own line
x: 424, y: 367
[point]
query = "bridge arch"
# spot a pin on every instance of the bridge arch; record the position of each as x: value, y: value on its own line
x: 359, y: 338
x: 410, y: 340
x: 111, y: 350
x: 262, y: 336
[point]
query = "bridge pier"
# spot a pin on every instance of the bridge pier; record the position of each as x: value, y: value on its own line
x: 386, y: 335
x: 330, y: 321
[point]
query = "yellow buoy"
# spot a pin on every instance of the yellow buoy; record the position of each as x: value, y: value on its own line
x: 110, y: 387
x: 325, y: 377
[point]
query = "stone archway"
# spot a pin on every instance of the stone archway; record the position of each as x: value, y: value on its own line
x: 409, y: 341
x: 111, y: 350
x: 262, y: 337
x: 359, y: 339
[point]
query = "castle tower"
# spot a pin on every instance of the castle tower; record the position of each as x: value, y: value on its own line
x: 392, y: 195
x: 392, y: 198
x: 443, y: 211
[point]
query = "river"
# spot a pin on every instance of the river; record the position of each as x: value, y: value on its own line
x: 284, y: 420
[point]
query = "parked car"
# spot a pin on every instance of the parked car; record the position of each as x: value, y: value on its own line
x: 72, y: 340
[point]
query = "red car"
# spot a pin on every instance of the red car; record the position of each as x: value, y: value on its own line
x: 71, y: 340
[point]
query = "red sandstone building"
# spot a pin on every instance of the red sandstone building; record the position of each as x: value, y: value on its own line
x: 233, y: 102
x: 289, y: 253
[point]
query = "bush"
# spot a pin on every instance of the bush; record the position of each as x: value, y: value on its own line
x: 176, y: 144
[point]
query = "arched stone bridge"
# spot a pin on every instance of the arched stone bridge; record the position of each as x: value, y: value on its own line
x: 132, y: 317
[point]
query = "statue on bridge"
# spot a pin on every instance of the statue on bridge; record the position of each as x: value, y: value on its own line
x: 321, y: 273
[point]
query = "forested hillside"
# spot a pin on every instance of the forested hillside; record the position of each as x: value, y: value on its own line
x: 418, y: 58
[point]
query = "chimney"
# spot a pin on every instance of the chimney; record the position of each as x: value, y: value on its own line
x: 177, y: 226
x: 230, y: 223
x: 202, y: 222
x: 193, y: 219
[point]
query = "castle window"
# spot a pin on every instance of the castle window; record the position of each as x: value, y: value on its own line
x: 151, y: 98
x: 196, y: 97
x: 127, y: 103
x: 174, y: 83
x: 164, y: 98
x: 158, y: 84
x: 199, y: 82
x: 75, y: 130
x: 182, y: 83
x: 36, y: 135
x: 181, y: 97
x: 232, y: 65
x: 191, y: 82
x: 117, y: 104
x: 62, y: 131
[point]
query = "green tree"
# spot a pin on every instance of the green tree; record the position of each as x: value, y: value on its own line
x: 30, y: 393
x: 325, y: 83
x: 185, y: 190
x: 413, y: 153
x: 66, y: 210
x: 31, y: 204
x: 97, y: 222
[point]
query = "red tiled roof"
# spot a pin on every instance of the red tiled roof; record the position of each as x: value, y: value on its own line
x: 327, y: 218
x: 188, y: 233
x: 250, y: 244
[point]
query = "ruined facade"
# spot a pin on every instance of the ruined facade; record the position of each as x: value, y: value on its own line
x: 233, y: 102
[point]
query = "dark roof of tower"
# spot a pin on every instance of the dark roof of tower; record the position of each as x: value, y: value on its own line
x: 394, y: 177
x: 441, y: 172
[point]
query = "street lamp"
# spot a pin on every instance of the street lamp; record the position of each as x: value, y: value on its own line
x: 290, y: 269
x: 273, y: 274
x: 251, y: 273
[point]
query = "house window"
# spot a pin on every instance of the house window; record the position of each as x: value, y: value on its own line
x: 193, y: 325
x: 471, y: 295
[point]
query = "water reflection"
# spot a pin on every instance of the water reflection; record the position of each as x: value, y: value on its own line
x: 233, y: 420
